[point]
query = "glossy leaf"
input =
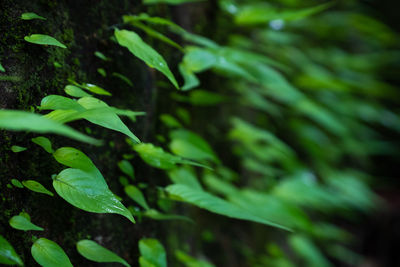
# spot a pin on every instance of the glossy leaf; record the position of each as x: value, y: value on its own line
x: 215, y: 204
x: 23, y: 222
x: 94, y: 252
x: 17, y: 149
x: 157, y: 157
x: 49, y: 254
x: 134, y: 193
x: 31, y: 15
x: 153, y: 252
x: 36, y: 187
x: 143, y: 51
x: 83, y: 186
x: 44, y: 142
x: 43, y: 39
x: 16, y: 120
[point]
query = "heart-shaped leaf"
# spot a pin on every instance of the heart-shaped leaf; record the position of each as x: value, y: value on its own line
x: 83, y: 185
x: 49, y: 254
x: 23, y: 222
x: 94, y: 252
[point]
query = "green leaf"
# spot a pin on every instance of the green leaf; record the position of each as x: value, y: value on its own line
x: 143, y: 51
x: 170, y: 2
x: 43, y: 39
x: 31, y: 15
x: 101, y: 56
x: 189, y: 261
x: 190, y: 79
x: 49, y: 254
x: 261, y: 13
x: 126, y: 168
x: 94, y: 252
x: 134, y: 193
x: 25, y: 121
x: 95, y: 89
x: 157, y: 157
x: 7, y: 253
x: 2, y: 68
x: 215, y: 204
x: 23, y: 223
x: 83, y: 186
x: 170, y: 121
x: 17, y: 183
x: 89, y: 108
x: 44, y: 142
x: 75, y: 91
x: 36, y: 187
x: 123, y: 78
x: 152, y: 251
x: 17, y: 149
x: 306, y: 249
x: 190, y: 145
x: 185, y: 175
x: 156, y: 215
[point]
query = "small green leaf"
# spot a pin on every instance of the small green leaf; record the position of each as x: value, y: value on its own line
x: 157, y: 157
x: 31, y: 15
x: 215, y: 204
x: 170, y: 121
x: 59, y: 102
x: 43, y: 39
x: 44, y: 142
x: 190, y: 79
x: 75, y: 91
x: 94, y: 252
x: 95, y: 89
x: 140, y: 49
x: 156, y: 215
x: 101, y: 56
x: 2, y: 68
x: 25, y: 121
x: 23, y: 223
x: 7, y: 253
x: 16, y: 183
x: 83, y: 185
x: 36, y: 187
x: 189, y: 261
x: 49, y: 254
x: 17, y: 149
x: 153, y: 252
x: 123, y: 78
x: 134, y: 193
x: 102, y: 72
x: 185, y: 175
x: 126, y: 168
x: 190, y: 145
